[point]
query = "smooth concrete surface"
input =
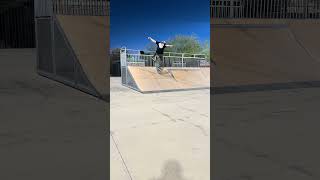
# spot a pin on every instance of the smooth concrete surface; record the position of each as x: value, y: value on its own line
x: 267, y: 135
x: 159, y: 136
x: 48, y: 131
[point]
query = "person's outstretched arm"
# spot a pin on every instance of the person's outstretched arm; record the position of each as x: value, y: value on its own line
x: 154, y: 41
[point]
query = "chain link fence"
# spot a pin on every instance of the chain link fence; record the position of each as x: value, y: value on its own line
x: 46, y: 8
x: 81, y: 7
x: 265, y: 9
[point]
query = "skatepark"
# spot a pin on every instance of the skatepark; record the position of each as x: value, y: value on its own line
x: 160, y: 121
x: 266, y: 91
x: 76, y: 55
x: 265, y: 108
x: 49, y: 130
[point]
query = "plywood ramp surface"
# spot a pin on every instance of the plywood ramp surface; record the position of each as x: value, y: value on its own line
x: 192, y: 77
x: 248, y: 56
x: 148, y: 80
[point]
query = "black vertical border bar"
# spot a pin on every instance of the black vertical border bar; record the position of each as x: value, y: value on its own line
x: 1, y: 31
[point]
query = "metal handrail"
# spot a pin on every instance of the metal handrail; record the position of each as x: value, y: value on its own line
x: 166, y: 56
x: 138, y: 59
x: 174, y: 53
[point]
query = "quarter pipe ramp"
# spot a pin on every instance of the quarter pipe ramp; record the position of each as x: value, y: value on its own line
x: 74, y: 50
x: 87, y: 36
x: 250, y: 56
x: 147, y: 80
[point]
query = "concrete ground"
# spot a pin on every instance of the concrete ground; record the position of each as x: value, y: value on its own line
x: 160, y: 136
x: 267, y: 135
x: 48, y: 130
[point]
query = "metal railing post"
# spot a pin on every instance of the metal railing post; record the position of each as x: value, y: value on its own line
x: 126, y: 55
x: 182, y: 61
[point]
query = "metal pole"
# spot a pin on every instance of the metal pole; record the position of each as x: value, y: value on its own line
x: 125, y: 51
x: 182, y: 60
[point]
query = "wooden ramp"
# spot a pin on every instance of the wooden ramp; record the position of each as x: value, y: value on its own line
x: 258, y: 56
x: 146, y: 79
x: 88, y: 37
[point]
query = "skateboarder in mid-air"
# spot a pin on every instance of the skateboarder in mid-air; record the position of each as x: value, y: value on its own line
x: 159, y: 53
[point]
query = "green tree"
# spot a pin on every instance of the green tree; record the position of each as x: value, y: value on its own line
x: 185, y: 44
x: 206, y: 49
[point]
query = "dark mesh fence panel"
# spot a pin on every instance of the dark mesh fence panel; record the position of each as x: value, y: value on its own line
x: 81, y: 80
x: 64, y: 59
x: 44, y: 37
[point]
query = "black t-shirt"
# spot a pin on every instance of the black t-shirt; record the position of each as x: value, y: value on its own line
x: 160, y: 49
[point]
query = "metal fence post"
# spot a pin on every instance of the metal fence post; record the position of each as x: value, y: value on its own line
x: 126, y: 60
x: 182, y: 60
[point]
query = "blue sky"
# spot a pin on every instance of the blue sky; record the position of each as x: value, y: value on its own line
x: 132, y: 21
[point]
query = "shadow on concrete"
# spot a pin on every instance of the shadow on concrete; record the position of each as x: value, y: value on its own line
x: 172, y: 170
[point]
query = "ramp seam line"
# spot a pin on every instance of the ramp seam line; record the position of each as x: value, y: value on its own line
x: 122, y: 159
x: 170, y: 72
x: 294, y: 37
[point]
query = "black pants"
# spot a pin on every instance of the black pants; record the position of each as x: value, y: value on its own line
x: 160, y: 56
x: 159, y: 63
